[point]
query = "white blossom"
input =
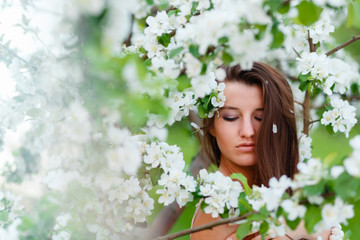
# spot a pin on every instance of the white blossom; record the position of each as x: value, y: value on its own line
x: 219, y: 192
x: 352, y: 163
x: 305, y: 147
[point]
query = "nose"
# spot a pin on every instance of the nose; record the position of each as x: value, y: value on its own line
x: 246, y: 129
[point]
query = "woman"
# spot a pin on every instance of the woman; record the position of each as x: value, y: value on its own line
x: 254, y: 133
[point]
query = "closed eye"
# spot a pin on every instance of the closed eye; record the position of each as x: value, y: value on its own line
x: 258, y: 119
x: 230, y: 119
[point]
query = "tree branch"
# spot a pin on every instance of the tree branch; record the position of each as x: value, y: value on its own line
x: 312, y: 122
x: 306, y: 103
x: 354, y: 97
x: 127, y: 41
x: 354, y: 38
x: 204, y: 227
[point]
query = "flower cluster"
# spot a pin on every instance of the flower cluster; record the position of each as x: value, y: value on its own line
x: 334, y: 75
x: 175, y: 183
x: 269, y: 196
x: 342, y: 116
x: 221, y: 193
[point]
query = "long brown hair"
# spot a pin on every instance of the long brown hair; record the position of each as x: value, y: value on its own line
x: 276, y: 152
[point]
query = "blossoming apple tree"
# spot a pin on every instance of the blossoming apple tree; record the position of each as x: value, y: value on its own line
x: 99, y: 93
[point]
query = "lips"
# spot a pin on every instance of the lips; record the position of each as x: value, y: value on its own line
x: 246, y: 147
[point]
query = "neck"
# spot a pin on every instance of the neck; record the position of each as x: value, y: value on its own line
x: 227, y: 168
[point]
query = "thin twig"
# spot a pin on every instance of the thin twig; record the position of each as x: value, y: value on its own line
x: 300, y: 103
x: 204, y: 227
x: 354, y: 97
x: 311, y: 44
x: 297, y: 53
x: 289, y: 237
x: 306, y: 103
x: 127, y: 41
x: 354, y: 38
x: 306, y: 107
x: 312, y: 122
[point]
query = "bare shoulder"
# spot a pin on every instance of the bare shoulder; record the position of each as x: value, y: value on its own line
x: 218, y: 233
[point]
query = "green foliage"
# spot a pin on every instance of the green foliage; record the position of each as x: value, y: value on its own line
x: 155, y: 174
x: 344, y: 192
x: 264, y: 227
x: 353, y: 19
x: 293, y: 224
x: 194, y: 50
x: 278, y: 37
x: 309, y: 13
x: 312, y: 216
x: 243, y: 180
x: 243, y: 204
x: 243, y: 230
x: 164, y: 39
x: 316, y: 189
x: 175, y: 52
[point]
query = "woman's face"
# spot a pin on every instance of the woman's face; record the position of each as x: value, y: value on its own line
x: 237, y: 123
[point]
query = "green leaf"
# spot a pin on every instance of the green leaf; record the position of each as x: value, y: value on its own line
x: 164, y: 39
x: 316, y: 189
x: 293, y: 224
x: 227, y: 58
x: 355, y: 88
x: 264, y: 227
x: 183, y: 83
x: 175, y: 52
x: 4, y: 215
x: 150, y: 2
x: 274, y: 4
x: 243, y: 204
x: 353, y: 19
x: 345, y: 186
x: 155, y: 175
x: 243, y: 180
x: 278, y: 37
x: 256, y: 217
x: 194, y: 50
x: 223, y: 40
x: 309, y: 13
x: 304, y: 77
x: 312, y: 216
x: 304, y: 85
x: 243, y: 230
x: 201, y: 111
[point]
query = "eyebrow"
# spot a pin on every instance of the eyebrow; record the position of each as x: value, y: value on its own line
x: 235, y: 108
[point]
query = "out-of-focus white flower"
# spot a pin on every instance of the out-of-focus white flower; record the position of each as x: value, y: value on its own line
x: 293, y: 209
x: 336, y: 171
x: 61, y: 221
x: 74, y: 9
x: 320, y: 31
x: 338, y: 213
x: 310, y: 173
x: 63, y: 235
x: 203, y: 85
x: 11, y: 232
x: 352, y: 163
x: 304, y: 147
x: 193, y: 65
x: 251, y: 49
x: 220, y: 74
